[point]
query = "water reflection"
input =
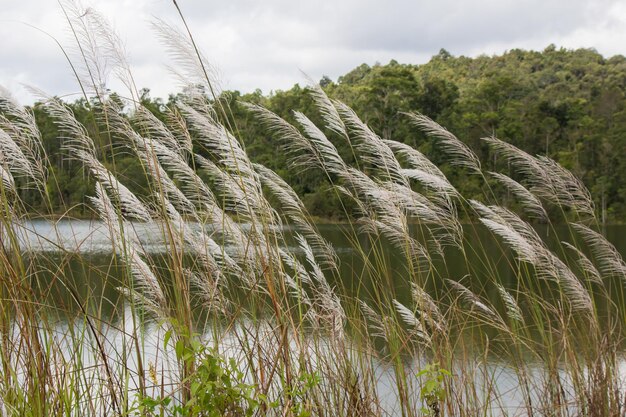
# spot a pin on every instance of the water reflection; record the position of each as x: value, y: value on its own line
x: 72, y: 265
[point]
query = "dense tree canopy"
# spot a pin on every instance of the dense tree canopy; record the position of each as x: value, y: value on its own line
x: 567, y: 104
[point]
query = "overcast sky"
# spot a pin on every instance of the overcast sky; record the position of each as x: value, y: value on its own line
x: 265, y: 44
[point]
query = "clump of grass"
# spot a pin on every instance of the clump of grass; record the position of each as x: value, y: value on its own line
x: 238, y: 317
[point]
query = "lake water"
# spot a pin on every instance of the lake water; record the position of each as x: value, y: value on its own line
x: 94, y: 275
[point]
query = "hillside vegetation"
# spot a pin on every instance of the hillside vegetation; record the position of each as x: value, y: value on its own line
x: 566, y: 104
x: 202, y: 302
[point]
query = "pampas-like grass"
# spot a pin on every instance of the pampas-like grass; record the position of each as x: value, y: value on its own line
x: 20, y: 125
x: 304, y: 337
x: 547, y: 179
x: 609, y: 260
x: 459, y: 153
x: 151, y: 293
x: 531, y: 204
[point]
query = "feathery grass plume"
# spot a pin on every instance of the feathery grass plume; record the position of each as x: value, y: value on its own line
x: 130, y: 205
x: 475, y: 301
x: 529, y: 247
x: 371, y: 148
x: 409, y: 318
x: 81, y: 147
x: 155, y: 129
x: 570, y: 191
x: 211, y: 256
x: 177, y: 125
x: 209, y: 273
x: 141, y: 148
x: 245, y: 182
x: 524, y: 243
x: 607, y: 257
x: 203, y: 198
x: 296, y: 212
x: 73, y: 135
x: 529, y: 202
x: 233, y: 234
x: 300, y: 151
x: 430, y: 181
x: 460, y: 154
x: 291, y: 203
x: 396, y: 231
x: 417, y: 205
x: 547, y: 179
x: 13, y: 161
x: 387, y: 204
x: 230, y: 155
x: 299, y: 270
x: 413, y: 158
x: 391, y: 202
x: 440, y: 218
x: 94, y: 59
x: 324, y: 148
x: 375, y: 321
x: 369, y: 192
x: 209, y: 289
x: 245, y: 246
x: 553, y: 268
x: 330, y: 115
x: 131, y: 254
x: 192, y: 186
x: 166, y: 187
x: 585, y: 264
x: 8, y: 182
x: 431, y: 176
x: 197, y: 70
x: 549, y: 266
x: 526, y: 165
x: 20, y: 124
x: 428, y: 309
x: 110, y: 51
x: 234, y: 197
x: 317, y: 313
x: 211, y: 252
x: 512, y: 308
x: 326, y: 298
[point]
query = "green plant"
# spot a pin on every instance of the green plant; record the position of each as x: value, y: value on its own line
x: 433, y: 390
x: 217, y: 386
x: 298, y: 393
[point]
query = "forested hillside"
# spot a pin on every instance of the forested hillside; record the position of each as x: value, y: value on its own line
x: 568, y: 105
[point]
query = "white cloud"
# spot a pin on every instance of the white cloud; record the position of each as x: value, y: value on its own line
x: 266, y: 44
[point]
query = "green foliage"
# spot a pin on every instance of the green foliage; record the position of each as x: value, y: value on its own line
x: 567, y: 104
x: 217, y: 386
x: 433, y: 390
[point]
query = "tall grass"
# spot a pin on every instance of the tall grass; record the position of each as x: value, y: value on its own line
x: 237, y: 315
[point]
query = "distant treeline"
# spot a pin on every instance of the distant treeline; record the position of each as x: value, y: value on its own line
x: 567, y: 104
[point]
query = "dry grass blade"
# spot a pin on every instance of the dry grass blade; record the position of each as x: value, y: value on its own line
x: 429, y: 309
x: 608, y: 258
x: 372, y: 149
x: 513, y: 310
x: 409, y: 318
x: 475, y: 302
x: 530, y: 203
x: 197, y: 70
x: 151, y: 291
x: 460, y: 154
x: 329, y: 112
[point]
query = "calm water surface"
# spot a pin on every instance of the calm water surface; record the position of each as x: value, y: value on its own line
x: 93, y: 273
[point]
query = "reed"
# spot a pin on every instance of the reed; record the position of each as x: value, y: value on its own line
x: 237, y: 315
